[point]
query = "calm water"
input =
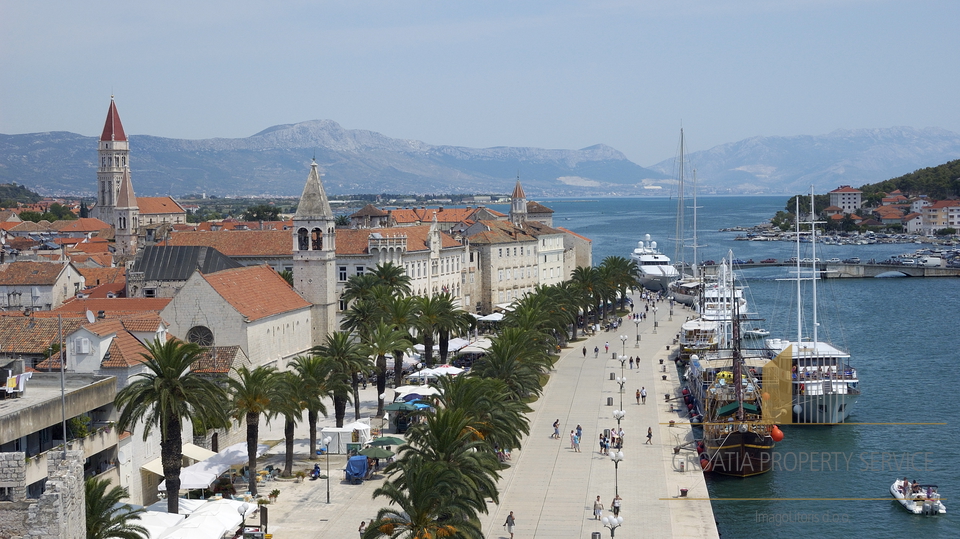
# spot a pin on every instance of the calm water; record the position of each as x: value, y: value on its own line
x: 902, y: 335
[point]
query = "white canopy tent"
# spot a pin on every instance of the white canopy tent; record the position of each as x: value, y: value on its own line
x: 203, y: 474
x: 156, y: 523
x: 199, y: 527
x: 403, y: 391
x: 479, y: 346
x: 189, y: 451
x: 492, y: 317
x: 340, y: 437
x: 452, y: 345
x: 185, y: 505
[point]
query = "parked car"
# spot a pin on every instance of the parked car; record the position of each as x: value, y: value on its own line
x: 709, y: 263
x: 854, y: 260
x: 833, y: 261
x: 769, y: 261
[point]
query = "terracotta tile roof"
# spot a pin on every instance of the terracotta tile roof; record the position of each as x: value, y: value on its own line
x: 93, y: 245
x: 444, y: 215
x: 217, y: 360
x: 125, y: 351
x: 356, y: 241
x: 944, y: 204
x: 157, y: 205
x: 911, y: 216
x: 98, y: 276
x: 833, y: 208
x: 30, y: 226
x: 500, y: 232
x: 572, y: 233
x: 836, y: 217
x: 80, y: 225
x: 8, y: 225
x: 21, y: 244
x: 93, y: 260
x: 239, y: 242
x: 180, y: 227
x: 536, y: 207
x: 538, y: 228
x: 30, y: 273
x: 114, y: 306
x: 369, y: 211
x: 112, y: 128
x: 33, y: 334
x: 256, y: 292
x: 9, y: 216
x: 846, y: 189
x: 142, y: 323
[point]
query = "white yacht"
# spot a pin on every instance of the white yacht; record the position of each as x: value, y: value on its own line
x: 656, y: 270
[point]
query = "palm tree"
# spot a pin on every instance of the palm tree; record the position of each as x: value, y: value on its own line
x: 433, y: 310
x: 423, y: 507
x: 587, y: 280
x: 517, y: 359
x: 625, y: 275
x: 292, y: 400
x: 401, y: 313
x: 163, y: 396
x: 312, y: 378
x: 495, y: 414
x: 107, y: 515
x: 253, y: 393
x: 382, y: 340
x: 394, y: 277
x: 359, y: 286
x: 341, y: 358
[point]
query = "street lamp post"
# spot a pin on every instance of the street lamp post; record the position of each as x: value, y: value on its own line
x: 623, y: 344
x: 242, y: 509
x: 654, y: 319
x: 383, y: 397
x: 617, y: 458
x: 619, y: 415
x: 622, y: 380
x: 637, y: 322
x: 326, y: 443
x: 613, y: 523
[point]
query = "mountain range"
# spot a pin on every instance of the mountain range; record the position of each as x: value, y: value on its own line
x: 276, y: 161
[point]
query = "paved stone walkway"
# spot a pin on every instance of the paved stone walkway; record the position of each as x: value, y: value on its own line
x: 549, y: 487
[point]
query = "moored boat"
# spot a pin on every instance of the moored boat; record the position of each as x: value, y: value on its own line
x: 756, y: 333
x: 656, y: 270
x: 918, y: 499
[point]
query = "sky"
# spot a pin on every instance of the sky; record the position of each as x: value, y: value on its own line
x: 549, y: 74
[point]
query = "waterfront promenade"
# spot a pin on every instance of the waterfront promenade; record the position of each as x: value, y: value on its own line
x: 549, y: 487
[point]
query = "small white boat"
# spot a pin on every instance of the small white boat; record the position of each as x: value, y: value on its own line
x: 922, y: 500
x: 756, y: 333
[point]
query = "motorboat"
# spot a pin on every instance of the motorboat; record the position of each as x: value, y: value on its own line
x: 918, y: 499
x: 756, y: 333
x: 656, y: 269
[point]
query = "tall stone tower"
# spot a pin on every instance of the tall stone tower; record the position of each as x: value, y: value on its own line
x: 127, y: 218
x: 314, y: 256
x: 114, y: 153
x: 518, y: 205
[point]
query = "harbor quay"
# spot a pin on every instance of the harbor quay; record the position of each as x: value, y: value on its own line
x: 550, y: 488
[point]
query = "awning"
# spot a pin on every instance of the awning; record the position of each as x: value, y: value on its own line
x: 733, y: 406
x: 203, y: 474
x: 190, y: 451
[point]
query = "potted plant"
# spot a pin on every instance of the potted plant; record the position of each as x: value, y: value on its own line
x: 300, y: 475
x: 273, y: 494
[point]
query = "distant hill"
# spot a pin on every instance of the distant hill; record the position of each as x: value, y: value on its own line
x: 276, y: 160
x: 10, y: 194
x: 938, y: 182
x: 791, y: 165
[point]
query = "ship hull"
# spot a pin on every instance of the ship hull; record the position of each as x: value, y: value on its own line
x: 824, y: 409
x: 656, y: 283
x: 739, y: 454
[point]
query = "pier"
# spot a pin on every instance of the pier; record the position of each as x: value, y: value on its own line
x: 839, y: 270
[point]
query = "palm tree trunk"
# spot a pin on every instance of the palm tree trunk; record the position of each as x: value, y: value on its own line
x: 444, y: 345
x: 381, y: 382
x: 355, y: 380
x: 313, y: 417
x: 288, y: 424
x: 253, y: 432
x: 428, y: 348
x: 340, y: 408
x: 171, y: 457
x: 397, y: 368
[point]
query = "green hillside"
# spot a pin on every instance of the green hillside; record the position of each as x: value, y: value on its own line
x: 11, y: 193
x: 938, y: 183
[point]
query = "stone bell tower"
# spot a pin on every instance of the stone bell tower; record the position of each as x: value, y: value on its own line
x: 314, y: 256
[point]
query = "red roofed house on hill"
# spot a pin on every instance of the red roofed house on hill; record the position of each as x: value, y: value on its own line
x: 37, y: 285
x: 847, y: 198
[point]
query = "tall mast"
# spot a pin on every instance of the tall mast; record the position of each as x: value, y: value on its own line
x: 799, y: 296
x: 816, y: 273
x: 678, y: 256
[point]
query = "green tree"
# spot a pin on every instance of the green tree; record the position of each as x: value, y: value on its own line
x: 107, y: 515
x: 401, y: 313
x: 341, y: 359
x: 380, y: 341
x: 394, y: 277
x: 252, y: 394
x: 261, y: 212
x: 291, y: 402
x: 516, y: 358
x: 313, y: 379
x: 165, y: 394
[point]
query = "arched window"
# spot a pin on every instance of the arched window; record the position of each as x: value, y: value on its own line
x: 317, y: 237
x: 303, y: 241
x: 200, y: 335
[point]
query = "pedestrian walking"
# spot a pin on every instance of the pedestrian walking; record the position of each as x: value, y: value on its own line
x: 510, y: 524
x: 363, y: 527
x: 649, y: 436
x: 598, y: 508
x: 556, y: 429
x: 584, y: 351
x: 643, y: 394
x: 606, y: 347
x: 576, y: 443
x: 615, y: 506
x: 596, y: 351
x: 573, y: 439
x: 631, y: 362
x: 579, y: 431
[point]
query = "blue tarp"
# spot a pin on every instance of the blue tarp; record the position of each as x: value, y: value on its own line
x: 356, y: 468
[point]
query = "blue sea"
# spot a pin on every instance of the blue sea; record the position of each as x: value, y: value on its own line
x: 903, y: 336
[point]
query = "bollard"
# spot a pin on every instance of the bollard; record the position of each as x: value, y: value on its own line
x: 663, y: 377
x: 683, y: 493
x: 613, y: 376
x: 661, y: 362
x: 682, y: 467
x: 609, y: 401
